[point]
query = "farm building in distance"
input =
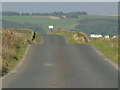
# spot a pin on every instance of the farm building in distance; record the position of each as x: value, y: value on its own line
x: 114, y: 37
x: 100, y: 36
x: 96, y: 36
x: 107, y: 37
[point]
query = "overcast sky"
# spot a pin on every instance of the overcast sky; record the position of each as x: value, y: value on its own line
x: 93, y: 8
x: 60, y: 0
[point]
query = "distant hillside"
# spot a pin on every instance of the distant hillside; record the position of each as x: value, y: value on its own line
x: 12, y: 24
x: 84, y: 23
x: 104, y: 26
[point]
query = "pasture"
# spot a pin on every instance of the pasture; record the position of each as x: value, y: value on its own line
x: 44, y: 21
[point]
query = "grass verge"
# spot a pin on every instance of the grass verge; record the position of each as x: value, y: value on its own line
x: 14, y: 44
x: 109, y: 47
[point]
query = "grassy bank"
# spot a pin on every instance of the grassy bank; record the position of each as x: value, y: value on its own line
x: 109, y: 47
x: 0, y: 52
x: 14, y: 44
x: 72, y: 37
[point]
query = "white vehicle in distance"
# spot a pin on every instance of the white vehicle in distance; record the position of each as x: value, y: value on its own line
x: 51, y: 27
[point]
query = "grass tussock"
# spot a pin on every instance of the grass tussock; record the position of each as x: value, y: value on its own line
x: 14, y: 44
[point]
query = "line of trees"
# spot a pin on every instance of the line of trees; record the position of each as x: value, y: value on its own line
x: 10, y: 13
x: 58, y: 14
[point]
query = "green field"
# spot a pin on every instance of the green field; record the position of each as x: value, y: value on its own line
x: 44, y: 21
x: 66, y: 24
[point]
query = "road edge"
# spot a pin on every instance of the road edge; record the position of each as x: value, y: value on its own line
x: 106, y: 59
x: 18, y: 65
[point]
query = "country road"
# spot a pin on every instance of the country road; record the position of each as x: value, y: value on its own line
x: 56, y: 64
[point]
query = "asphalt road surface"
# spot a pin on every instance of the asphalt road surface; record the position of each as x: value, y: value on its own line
x: 55, y: 64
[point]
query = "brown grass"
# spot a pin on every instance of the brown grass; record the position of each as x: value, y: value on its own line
x: 14, y: 43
